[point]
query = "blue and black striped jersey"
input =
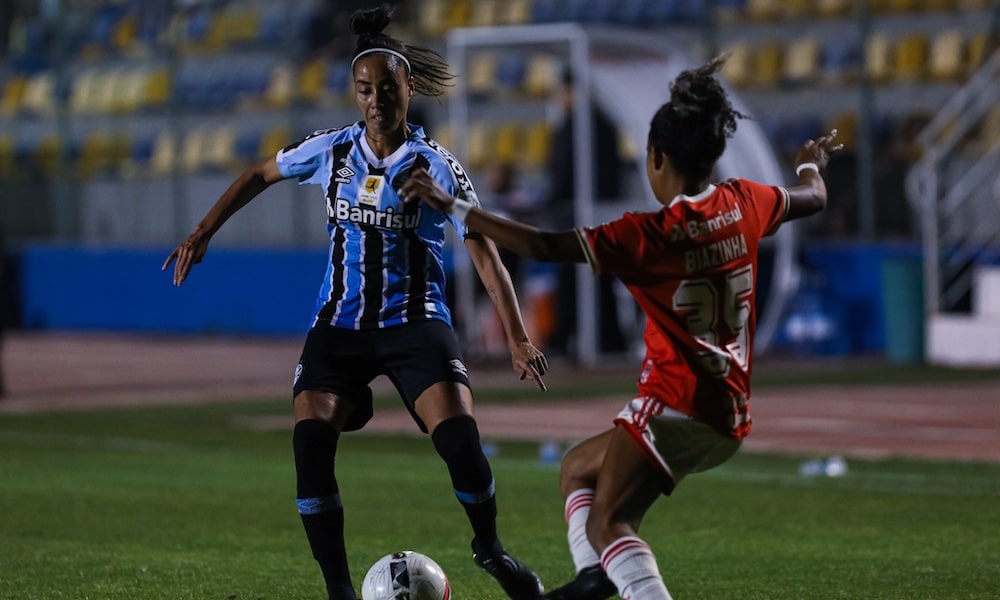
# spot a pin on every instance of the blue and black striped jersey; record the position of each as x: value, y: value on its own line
x: 386, y: 257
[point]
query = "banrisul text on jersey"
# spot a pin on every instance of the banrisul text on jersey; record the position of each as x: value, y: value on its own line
x: 386, y: 257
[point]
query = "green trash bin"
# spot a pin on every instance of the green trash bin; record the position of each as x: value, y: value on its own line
x: 903, y: 309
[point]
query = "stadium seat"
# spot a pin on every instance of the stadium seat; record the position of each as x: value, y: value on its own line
x: 541, y: 75
x: 163, y: 158
x: 801, y: 64
x: 737, y: 68
x: 846, y: 124
x: 514, y: 12
x: 878, y: 58
x: 480, y: 144
x: 157, y: 90
x: 85, y: 91
x: 124, y: 37
x: 13, y: 95
x: 39, y: 94
x: 312, y: 80
x: 280, y: 88
x: 537, y: 144
x: 767, y: 64
x: 947, y: 55
x: 433, y: 17
x: 833, y: 9
x: 484, y: 13
x: 247, y: 148
x: 763, y: 10
x: 8, y: 167
x: 507, y: 142
x: 910, y: 57
x: 976, y: 52
x: 219, y: 149
x: 796, y: 9
x: 194, y: 149
x: 274, y: 139
x: 482, y: 73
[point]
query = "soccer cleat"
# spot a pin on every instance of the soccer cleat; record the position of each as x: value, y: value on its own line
x: 516, y: 578
x: 590, y: 584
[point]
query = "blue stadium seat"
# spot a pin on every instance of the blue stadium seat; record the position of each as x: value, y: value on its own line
x: 547, y: 11
x: 511, y: 70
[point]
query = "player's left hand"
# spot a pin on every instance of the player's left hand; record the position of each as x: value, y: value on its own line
x: 529, y: 362
x: 421, y: 186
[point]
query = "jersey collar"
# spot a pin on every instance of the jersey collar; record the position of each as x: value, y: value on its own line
x: 416, y: 133
x: 697, y: 198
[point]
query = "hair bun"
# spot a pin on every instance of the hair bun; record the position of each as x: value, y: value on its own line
x: 372, y: 21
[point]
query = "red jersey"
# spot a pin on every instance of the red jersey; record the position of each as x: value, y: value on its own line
x: 692, y: 267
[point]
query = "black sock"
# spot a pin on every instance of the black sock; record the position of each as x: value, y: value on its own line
x: 457, y: 441
x: 318, y: 500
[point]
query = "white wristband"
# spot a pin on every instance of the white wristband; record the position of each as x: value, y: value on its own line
x: 809, y: 166
x: 460, y: 208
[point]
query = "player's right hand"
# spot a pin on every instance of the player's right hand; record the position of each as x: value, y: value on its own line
x: 188, y: 254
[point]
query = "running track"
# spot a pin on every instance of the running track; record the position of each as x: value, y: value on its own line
x: 947, y: 421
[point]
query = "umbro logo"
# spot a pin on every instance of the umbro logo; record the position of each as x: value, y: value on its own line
x: 344, y: 175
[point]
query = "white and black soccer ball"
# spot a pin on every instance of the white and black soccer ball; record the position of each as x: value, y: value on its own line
x: 405, y: 575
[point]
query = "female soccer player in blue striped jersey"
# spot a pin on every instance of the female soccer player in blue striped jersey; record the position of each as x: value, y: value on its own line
x: 381, y: 308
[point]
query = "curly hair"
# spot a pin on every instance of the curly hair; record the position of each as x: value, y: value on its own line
x: 428, y: 68
x: 693, y: 126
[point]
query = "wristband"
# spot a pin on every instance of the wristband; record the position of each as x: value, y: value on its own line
x: 461, y: 208
x: 808, y: 166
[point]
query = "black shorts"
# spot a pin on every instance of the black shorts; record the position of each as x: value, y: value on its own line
x: 344, y: 362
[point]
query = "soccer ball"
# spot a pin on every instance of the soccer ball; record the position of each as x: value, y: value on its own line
x: 405, y: 575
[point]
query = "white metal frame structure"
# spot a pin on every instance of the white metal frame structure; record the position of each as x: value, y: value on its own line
x: 627, y: 73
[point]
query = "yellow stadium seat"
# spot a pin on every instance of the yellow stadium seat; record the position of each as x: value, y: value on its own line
x: 109, y: 95
x: 846, y: 124
x: 274, y: 139
x: 939, y: 5
x: 87, y: 91
x: 514, y: 12
x: 902, y: 6
x: 132, y: 91
x: 878, y: 57
x: 484, y: 13
x: 96, y: 154
x: 280, y: 89
x: 480, y: 144
x: 164, y: 157
x: 763, y: 10
x: 976, y: 52
x: 157, y: 90
x: 947, y: 55
x: 537, y: 144
x: 736, y: 70
x: 312, y: 80
x: 801, y: 64
x: 541, y: 75
x: 432, y: 17
x: 507, y: 142
x: 8, y: 170
x: 13, y: 95
x: 796, y: 9
x: 458, y: 13
x: 910, y: 57
x: 124, y: 35
x: 193, y: 149
x: 767, y: 64
x: 219, y: 148
x: 482, y: 73
x: 832, y: 9
x: 39, y: 94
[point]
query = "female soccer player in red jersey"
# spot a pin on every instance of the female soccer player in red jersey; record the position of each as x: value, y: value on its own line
x: 692, y: 267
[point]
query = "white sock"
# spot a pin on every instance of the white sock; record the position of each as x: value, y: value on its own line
x: 630, y: 564
x: 577, y: 508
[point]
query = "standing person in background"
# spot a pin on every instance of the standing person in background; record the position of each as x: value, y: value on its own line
x: 381, y: 309
x: 692, y: 267
x: 558, y: 204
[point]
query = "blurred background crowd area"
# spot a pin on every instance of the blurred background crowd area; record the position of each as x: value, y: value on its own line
x: 137, y: 90
x: 122, y: 121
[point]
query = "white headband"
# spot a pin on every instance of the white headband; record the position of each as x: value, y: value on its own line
x: 387, y: 51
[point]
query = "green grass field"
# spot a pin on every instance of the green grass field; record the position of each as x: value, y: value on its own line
x: 187, y: 502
